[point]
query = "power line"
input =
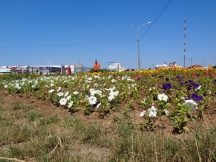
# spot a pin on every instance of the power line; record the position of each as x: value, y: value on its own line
x: 63, y: 45
x: 152, y: 23
x: 81, y: 44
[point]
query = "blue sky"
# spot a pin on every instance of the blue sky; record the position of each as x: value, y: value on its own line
x: 35, y: 32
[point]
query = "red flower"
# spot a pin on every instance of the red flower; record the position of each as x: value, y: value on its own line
x: 193, y: 75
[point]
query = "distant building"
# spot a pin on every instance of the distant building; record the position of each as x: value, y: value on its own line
x: 5, y: 69
x: 44, y: 69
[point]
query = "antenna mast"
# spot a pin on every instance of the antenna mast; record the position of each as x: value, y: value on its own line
x: 184, y: 40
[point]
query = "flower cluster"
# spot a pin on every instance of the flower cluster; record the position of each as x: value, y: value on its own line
x: 173, y: 93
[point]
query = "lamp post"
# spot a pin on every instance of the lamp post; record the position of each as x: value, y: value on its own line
x: 138, y: 40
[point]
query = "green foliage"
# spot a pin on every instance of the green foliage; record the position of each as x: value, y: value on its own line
x: 18, y: 106
x: 113, y: 90
x: 41, y: 137
x: 32, y: 116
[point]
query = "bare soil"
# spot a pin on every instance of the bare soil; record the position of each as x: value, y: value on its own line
x: 162, y: 125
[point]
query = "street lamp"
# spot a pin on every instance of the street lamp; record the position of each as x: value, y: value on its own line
x: 138, y: 40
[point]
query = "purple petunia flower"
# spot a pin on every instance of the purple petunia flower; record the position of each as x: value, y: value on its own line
x: 167, y: 86
x: 179, y: 77
x: 193, y: 84
x: 182, y: 83
x: 195, y: 97
x: 189, y: 87
x: 190, y: 81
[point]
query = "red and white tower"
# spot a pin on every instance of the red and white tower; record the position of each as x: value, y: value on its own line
x: 184, y: 40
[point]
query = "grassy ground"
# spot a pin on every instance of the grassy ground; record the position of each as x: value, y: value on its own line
x: 31, y: 134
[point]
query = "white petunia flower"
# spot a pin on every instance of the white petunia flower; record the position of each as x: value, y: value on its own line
x: 162, y: 97
x: 63, y: 101
x: 75, y: 92
x: 198, y: 88
x: 51, y: 85
x: 36, y: 82
x: 151, y: 89
x: 59, y: 88
x: 96, y: 76
x: 95, y: 85
x: 66, y: 94
x: 112, y: 93
x: 68, y: 97
x: 116, y: 93
x: 152, y: 112
x: 89, y: 79
x: 191, y: 104
x: 98, y: 92
x: 111, y: 89
x: 60, y: 94
x: 98, y: 105
x: 129, y: 79
x: 70, y: 104
x: 24, y: 79
x: 51, y: 90
x: 133, y: 85
x: 5, y: 86
x: 113, y: 80
x: 142, y: 113
x: 111, y: 97
x: 166, y: 112
x: 23, y: 83
x: 17, y: 86
x: 92, y: 100
x: 182, y: 98
x: 93, y: 92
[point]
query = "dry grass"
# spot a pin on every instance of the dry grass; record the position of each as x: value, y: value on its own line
x: 30, y: 135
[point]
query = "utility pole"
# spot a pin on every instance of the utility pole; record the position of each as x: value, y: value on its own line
x: 191, y: 62
x: 138, y: 40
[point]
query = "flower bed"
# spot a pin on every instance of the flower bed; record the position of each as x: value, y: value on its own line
x: 181, y: 95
